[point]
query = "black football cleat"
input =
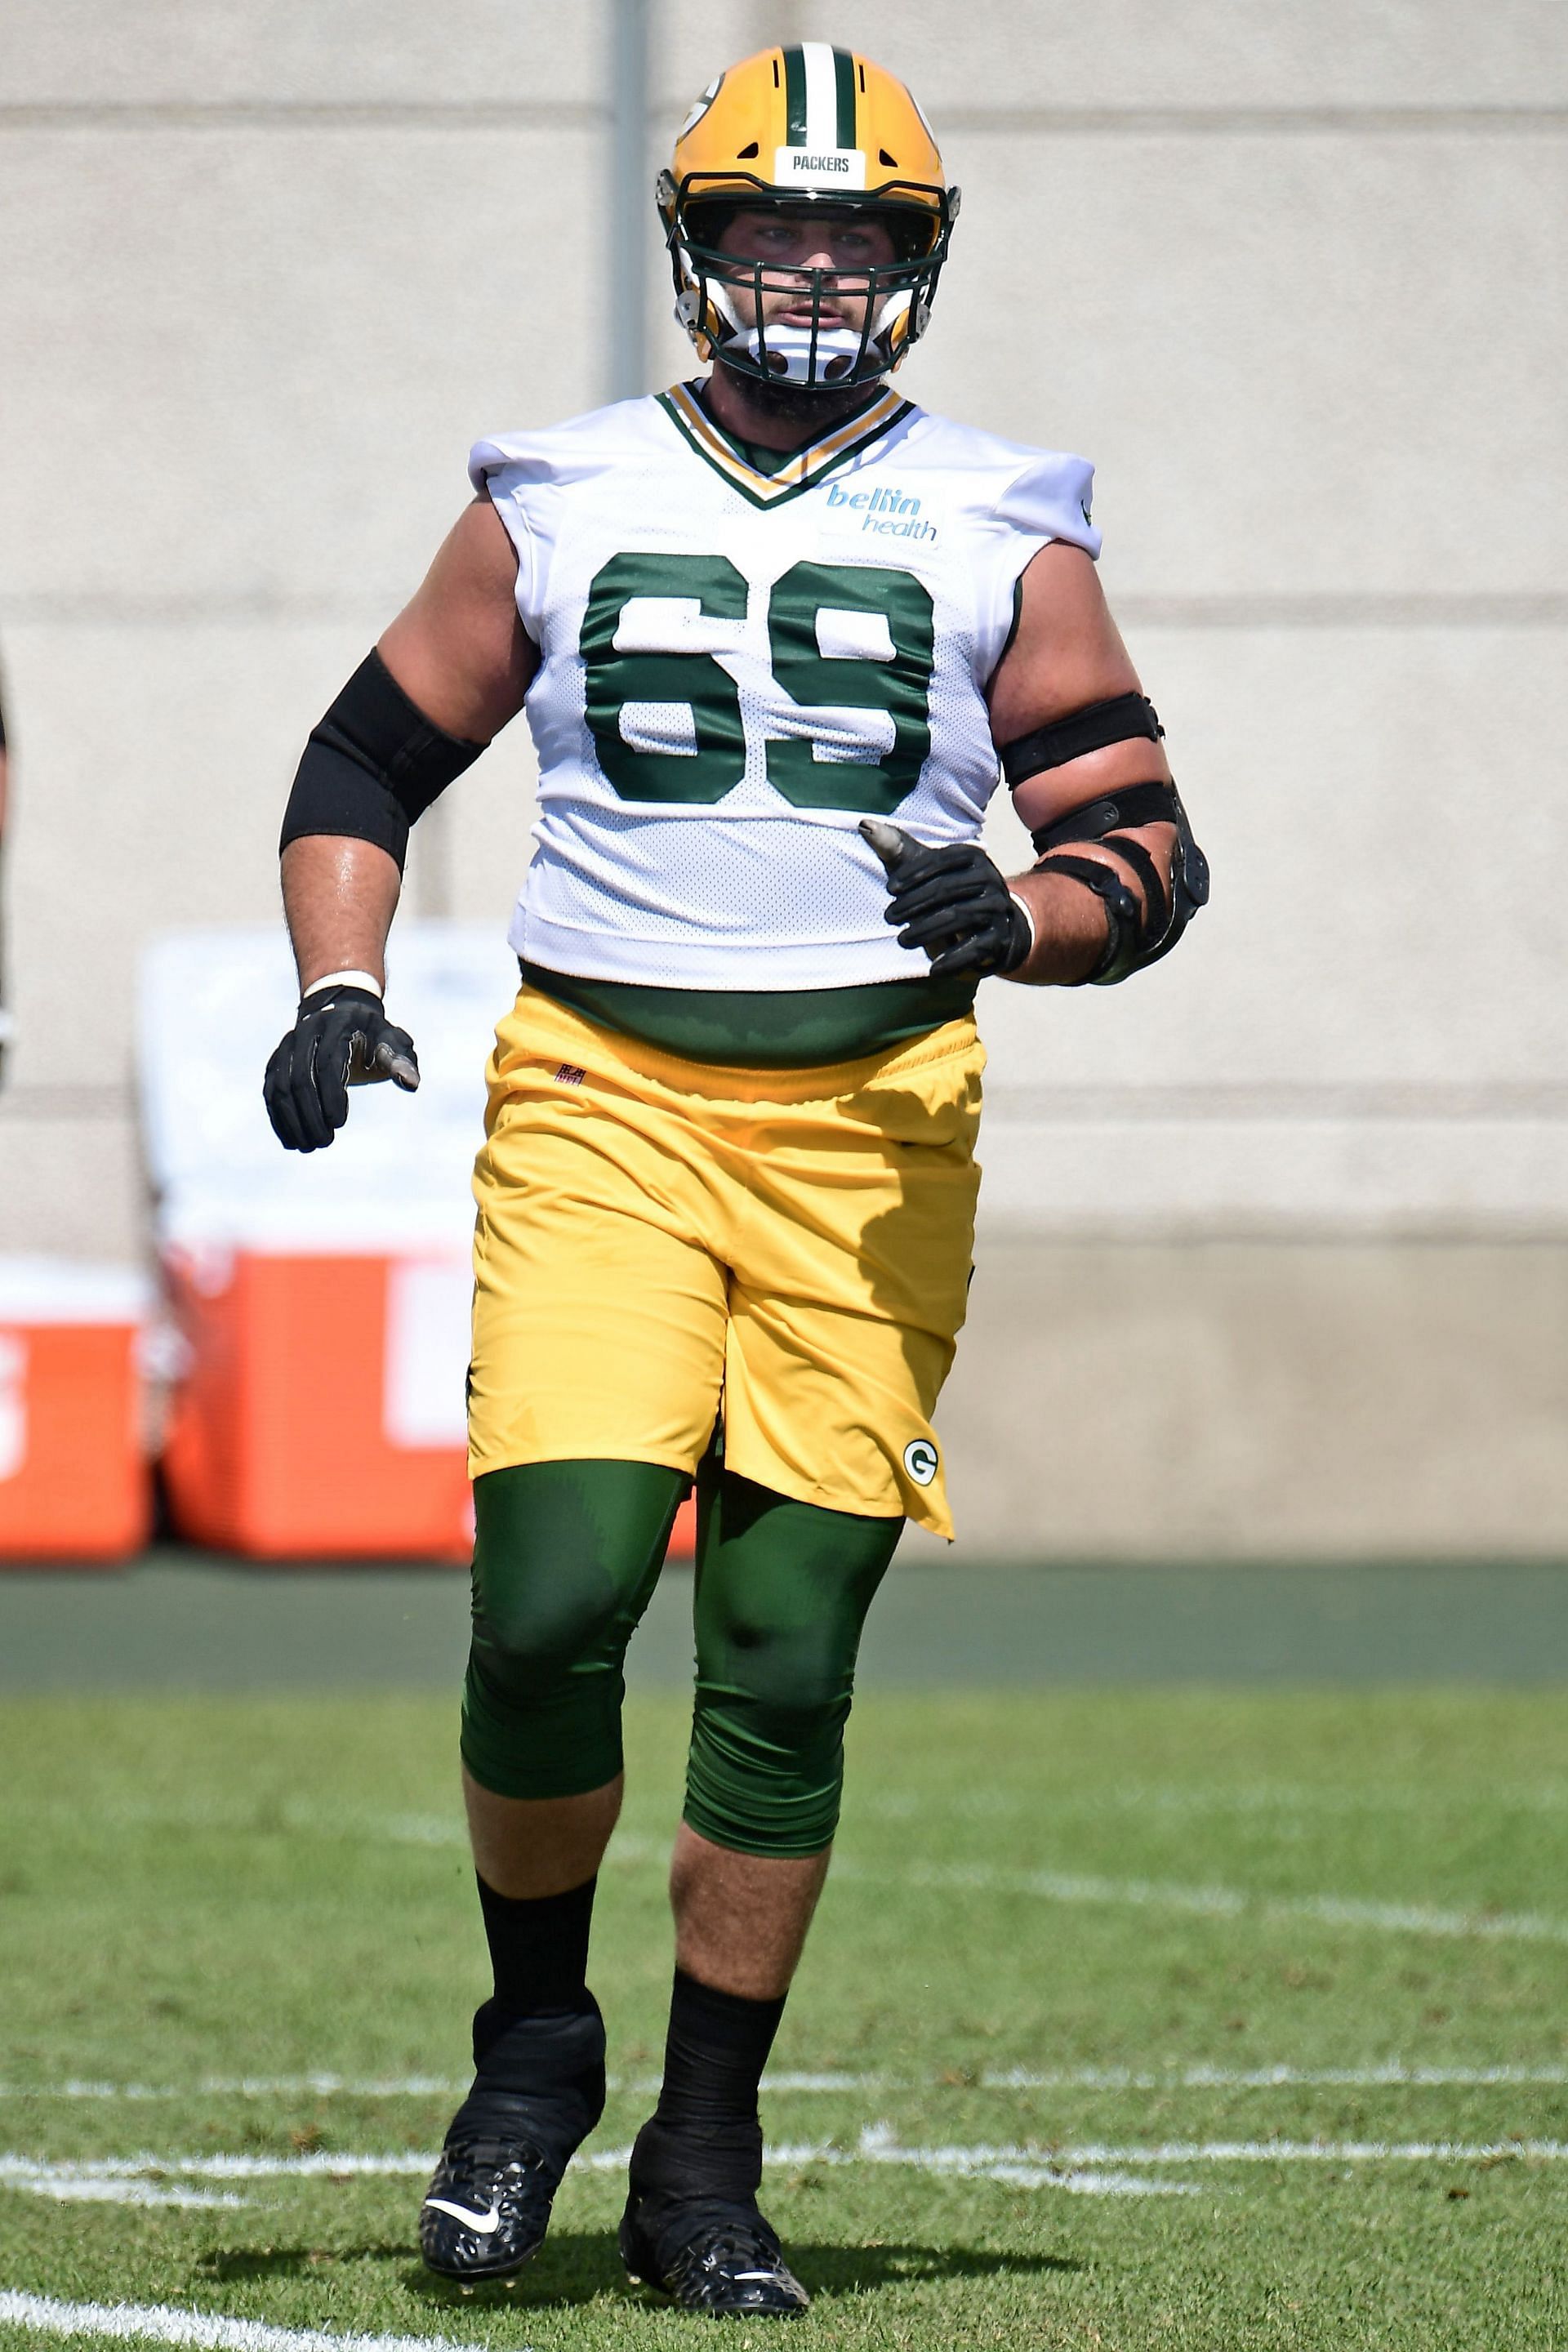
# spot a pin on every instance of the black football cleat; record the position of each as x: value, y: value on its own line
x: 539, y: 2090
x: 487, y: 2208
x: 710, y: 2254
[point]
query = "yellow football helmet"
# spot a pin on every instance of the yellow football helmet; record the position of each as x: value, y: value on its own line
x: 806, y: 126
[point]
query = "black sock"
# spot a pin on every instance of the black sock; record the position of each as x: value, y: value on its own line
x: 539, y: 1950
x: 705, y: 2137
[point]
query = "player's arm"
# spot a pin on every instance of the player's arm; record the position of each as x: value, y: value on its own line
x: 1118, y: 873
x: 447, y: 675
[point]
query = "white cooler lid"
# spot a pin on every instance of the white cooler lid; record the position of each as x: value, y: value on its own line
x: 35, y: 1290
x: 213, y: 1005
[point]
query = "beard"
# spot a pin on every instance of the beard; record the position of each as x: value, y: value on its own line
x: 822, y: 406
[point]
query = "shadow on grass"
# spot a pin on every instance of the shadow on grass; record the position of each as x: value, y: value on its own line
x: 294, y: 2261
x: 574, y: 2266
x: 845, y: 2270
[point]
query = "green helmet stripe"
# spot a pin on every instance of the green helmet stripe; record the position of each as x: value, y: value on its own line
x: 794, y: 96
x: 843, y: 76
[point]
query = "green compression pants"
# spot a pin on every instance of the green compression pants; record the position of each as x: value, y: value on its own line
x: 566, y: 1555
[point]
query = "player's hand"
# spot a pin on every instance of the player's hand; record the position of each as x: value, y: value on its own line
x: 952, y: 902
x: 341, y: 1038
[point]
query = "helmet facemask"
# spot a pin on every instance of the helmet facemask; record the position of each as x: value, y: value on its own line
x: 823, y: 354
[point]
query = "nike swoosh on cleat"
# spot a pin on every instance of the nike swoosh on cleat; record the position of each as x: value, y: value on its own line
x: 482, y: 2224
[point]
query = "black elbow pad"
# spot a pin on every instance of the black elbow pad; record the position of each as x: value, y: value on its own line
x: 1135, y: 937
x: 373, y: 765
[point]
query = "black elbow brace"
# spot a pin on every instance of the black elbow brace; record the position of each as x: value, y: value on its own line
x: 1135, y: 935
x: 373, y: 765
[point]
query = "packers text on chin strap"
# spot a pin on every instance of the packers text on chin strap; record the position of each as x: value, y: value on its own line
x: 1135, y: 935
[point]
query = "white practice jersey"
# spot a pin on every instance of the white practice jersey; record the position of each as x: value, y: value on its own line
x: 737, y: 668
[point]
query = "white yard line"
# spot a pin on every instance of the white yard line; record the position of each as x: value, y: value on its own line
x: 158, y: 2323
x: 1294, y: 2151
x: 1390, y: 2073
x: 1093, y: 2168
x: 1014, y: 2167
x: 1096, y: 2163
x: 1236, y: 1903
x: 253, y: 2086
x: 1390, y: 2076
x: 68, y: 2189
x: 28, y: 2171
x: 1020, y: 2168
x: 1034, y: 2167
x: 631, y: 1850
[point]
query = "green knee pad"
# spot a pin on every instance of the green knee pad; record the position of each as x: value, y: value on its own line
x: 566, y: 1555
x: 783, y: 1588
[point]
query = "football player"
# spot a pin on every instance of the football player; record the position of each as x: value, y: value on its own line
x: 777, y: 631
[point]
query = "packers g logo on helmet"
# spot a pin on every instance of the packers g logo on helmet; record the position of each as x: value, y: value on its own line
x: 801, y: 126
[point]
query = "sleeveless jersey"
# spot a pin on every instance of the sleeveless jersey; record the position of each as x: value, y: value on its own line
x: 737, y: 667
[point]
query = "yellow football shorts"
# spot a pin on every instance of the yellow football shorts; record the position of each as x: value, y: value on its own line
x: 658, y: 1239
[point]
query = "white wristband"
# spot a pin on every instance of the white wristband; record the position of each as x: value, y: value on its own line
x: 1023, y: 906
x: 346, y: 979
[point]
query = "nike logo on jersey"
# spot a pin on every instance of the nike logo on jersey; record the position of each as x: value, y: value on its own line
x: 483, y: 2225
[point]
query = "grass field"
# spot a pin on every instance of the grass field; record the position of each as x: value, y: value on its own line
x: 1132, y: 2020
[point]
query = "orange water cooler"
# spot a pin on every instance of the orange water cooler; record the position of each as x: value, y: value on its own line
x: 73, y: 1473
x: 319, y: 1413
x: 320, y: 1302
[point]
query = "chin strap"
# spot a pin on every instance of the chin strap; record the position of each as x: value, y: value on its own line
x: 801, y: 355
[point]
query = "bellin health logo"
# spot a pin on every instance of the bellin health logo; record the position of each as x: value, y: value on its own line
x: 887, y: 511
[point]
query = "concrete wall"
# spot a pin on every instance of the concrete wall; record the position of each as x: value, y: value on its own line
x: 1294, y: 278
x: 1242, y: 1399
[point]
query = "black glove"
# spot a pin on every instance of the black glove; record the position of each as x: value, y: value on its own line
x: 341, y: 1038
x: 952, y: 902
